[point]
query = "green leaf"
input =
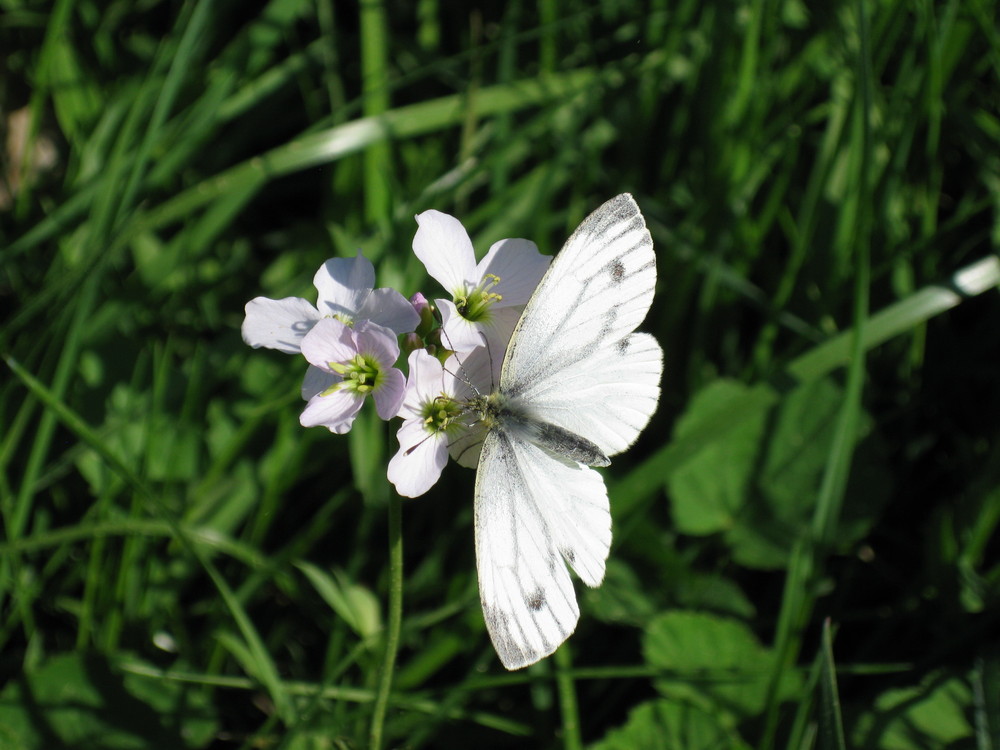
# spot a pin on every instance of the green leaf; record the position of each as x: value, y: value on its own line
x: 621, y: 598
x: 758, y: 482
x: 714, y: 593
x: 709, y: 490
x: 718, y: 663
x: 926, y: 717
x: 667, y: 725
x: 798, y: 446
x: 358, y: 606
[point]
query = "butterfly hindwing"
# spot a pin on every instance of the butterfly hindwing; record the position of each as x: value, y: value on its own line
x: 535, y: 513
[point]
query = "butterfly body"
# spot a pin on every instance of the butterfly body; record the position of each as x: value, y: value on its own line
x: 498, y: 411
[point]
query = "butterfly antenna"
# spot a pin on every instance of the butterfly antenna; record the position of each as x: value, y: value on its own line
x: 493, y: 369
x: 461, y: 375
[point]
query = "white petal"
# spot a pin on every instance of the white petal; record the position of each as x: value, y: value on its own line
x: 278, y: 323
x: 498, y: 327
x: 390, y: 309
x: 420, y: 460
x: 344, y: 284
x: 520, y: 267
x: 470, y: 374
x: 444, y: 247
x: 457, y: 333
x: 426, y: 381
x: 466, y: 447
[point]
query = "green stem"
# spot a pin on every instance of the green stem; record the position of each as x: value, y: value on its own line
x: 394, y: 620
x: 572, y: 740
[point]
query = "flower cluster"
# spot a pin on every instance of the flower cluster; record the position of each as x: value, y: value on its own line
x: 351, y: 339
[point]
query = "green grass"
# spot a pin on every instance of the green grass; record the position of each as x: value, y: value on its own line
x: 805, y: 549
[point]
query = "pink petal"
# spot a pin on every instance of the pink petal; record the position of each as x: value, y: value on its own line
x: 336, y: 411
x: 317, y: 381
x: 389, y: 394
x: 390, y: 309
x: 329, y: 341
x: 378, y: 342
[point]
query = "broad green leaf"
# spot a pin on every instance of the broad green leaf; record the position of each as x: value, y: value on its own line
x: 758, y: 483
x: 713, y: 593
x: 714, y: 663
x: 670, y: 725
x: 621, y: 598
x: 926, y: 717
x: 709, y: 490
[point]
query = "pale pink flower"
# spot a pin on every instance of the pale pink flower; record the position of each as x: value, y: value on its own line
x: 348, y: 365
x: 345, y: 293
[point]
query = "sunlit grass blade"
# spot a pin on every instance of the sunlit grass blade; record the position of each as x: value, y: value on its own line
x: 339, y: 141
x: 375, y: 99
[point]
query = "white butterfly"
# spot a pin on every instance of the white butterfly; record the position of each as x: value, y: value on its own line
x: 576, y: 386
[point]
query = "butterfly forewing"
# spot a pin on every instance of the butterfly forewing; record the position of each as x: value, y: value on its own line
x: 572, y: 360
x: 597, y: 290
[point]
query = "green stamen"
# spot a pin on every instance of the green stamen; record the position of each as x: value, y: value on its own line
x: 361, y: 374
x: 475, y: 304
x: 440, y: 415
x: 344, y: 318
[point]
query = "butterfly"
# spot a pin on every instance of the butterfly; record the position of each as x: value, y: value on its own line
x: 576, y: 386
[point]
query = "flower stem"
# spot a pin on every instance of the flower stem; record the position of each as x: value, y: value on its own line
x: 393, y: 622
x: 572, y: 739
